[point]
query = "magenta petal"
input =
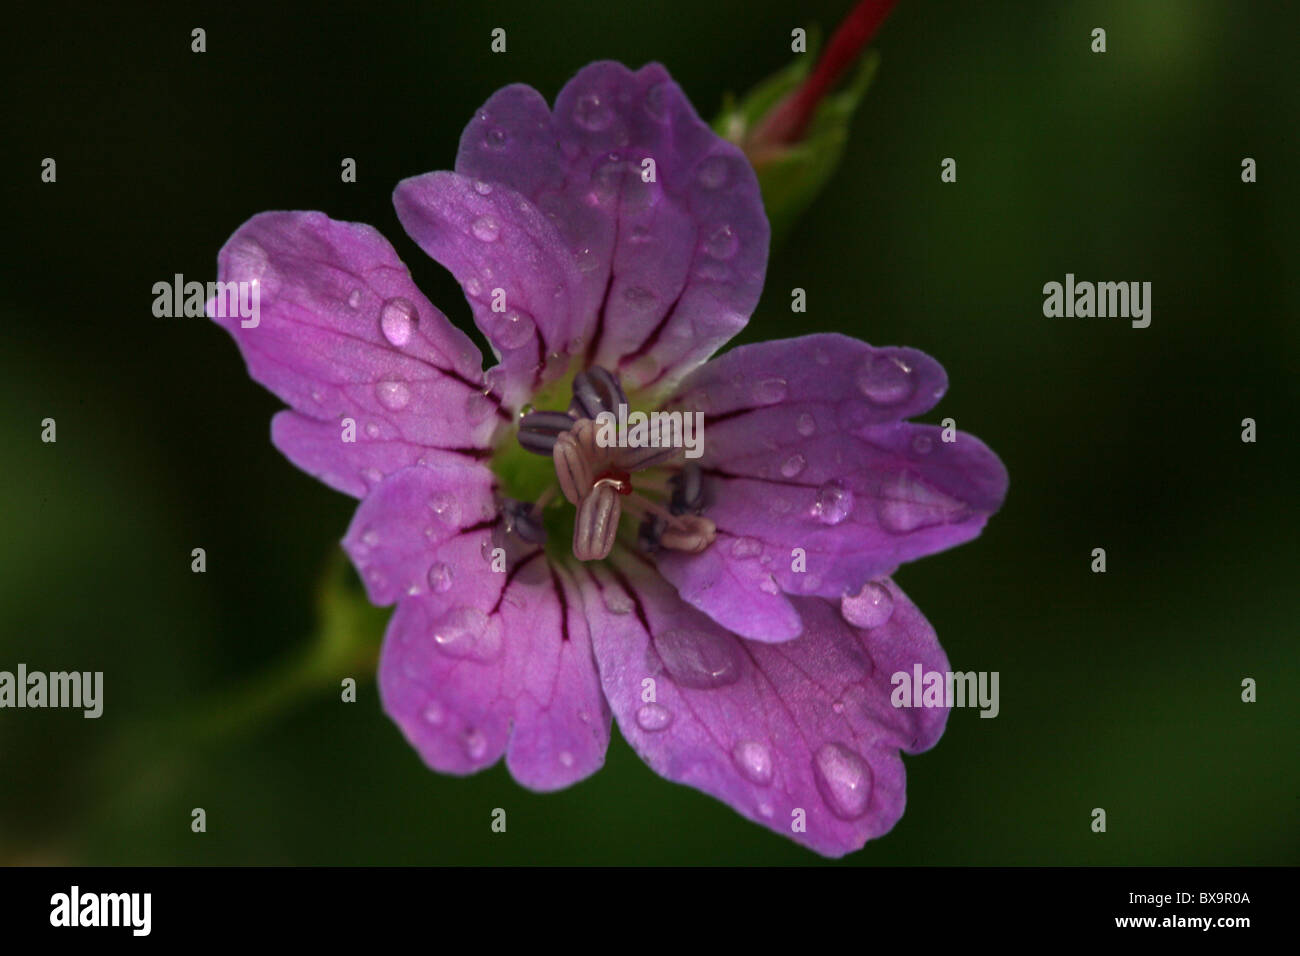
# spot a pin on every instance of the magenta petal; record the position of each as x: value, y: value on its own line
x: 803, y: 730
x: 345, y: 337
x: 517, y: 273
x: 815, y: 484
x: 422, y: 530
x: 476, y: 662
x: 671, y: 268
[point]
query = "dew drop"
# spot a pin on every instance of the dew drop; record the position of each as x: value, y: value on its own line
x: 397, y: 320
x: 770, y: 391
x: 834, y: 503
x: 373, y: 475
x: 712, y: 173
x: 746, y: 548
x: 495, y: 139
x: 566, y: 758
x: 591, y: 113
x: 466, y: 632
x: 446, y: 508
x: 906, y: 503
x: 354, y: 299
x: 434, y: 715
x: 722, y: 243
x: 482, y: 188
x: 616, y: 601
x: 793, y: 465
x: 768, y: 585
x: 393, y: 394
x: 806, y: 425
x: 473, y: 287
x: 656, y: 102
x: 697, y: 658
x: 653, y: 717
x: 486, y: 229
x: 885, y: 379
x: 843, y: 779
x: 754, y: 761
x: 370, y: 538
x: 440, y: 577
x: 870, y: 607
x: 922, y: 444
x: 478, y: 407
x: 510, y: 330
x: 475, y: 744
x: 372, y: 430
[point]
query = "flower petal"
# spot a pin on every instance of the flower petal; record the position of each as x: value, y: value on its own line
x: 671, y: 266
x: 815, y: 484
x: 342, y: 334
x: 476, y: 662
x: 517, y: 273
x: 787, y: 734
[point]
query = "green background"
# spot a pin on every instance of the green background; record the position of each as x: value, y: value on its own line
x: 1118, y: 690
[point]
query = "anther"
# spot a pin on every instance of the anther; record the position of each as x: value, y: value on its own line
x: 597, y: 522
x: 574, y: 456
x: 688, y: 491
x: 539, y: 430
x: 596, y: 391
x: 697, y: 535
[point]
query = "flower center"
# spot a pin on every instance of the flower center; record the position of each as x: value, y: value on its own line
x: 594, y: 460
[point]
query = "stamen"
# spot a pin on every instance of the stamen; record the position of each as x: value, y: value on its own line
x: 688, y: 490
x: 539, y: 430
x: 698, y: 536
x: 596, y: 391
x: 597, y: 524
x: 576, y: 459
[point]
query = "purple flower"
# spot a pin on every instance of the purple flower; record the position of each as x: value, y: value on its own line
x: 734, y: 612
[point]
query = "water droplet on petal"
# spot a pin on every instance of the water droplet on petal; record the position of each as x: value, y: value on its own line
x: 393, y: 394
x: 906, y: 503
x: 656, y: 102
x: 447, y: 508
x: 768, y: 585
x: 770, y: 391
x: 793, y: 465
x: 397, y: 320
x: 843, y: 779
x: 440, y: 577
x: 746, y: 548
x: 653, y: 717
x: 466, y: 632
x: 712, y: 173
x: 372, y: 430
x: 922, y: 444
x: 722, y: 243
x: 475, y: 744
x: 591, y: 113
x: 434, y: 715
x: 870, y: 607
x: 495, y: 139
x: 482, y: 188
x: 616, y: 601
x: 699, y: 659
x: 473, y: 287
x: 754, y: 761
x: 510, y: 330
x: 478, y: 407
x: 566, y: 758
x: 354, y: 299
x: 806, y: 425
x: 373, y: 475
x: 486, y: 229
x: 885, y: 379
x: 834, y: 503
